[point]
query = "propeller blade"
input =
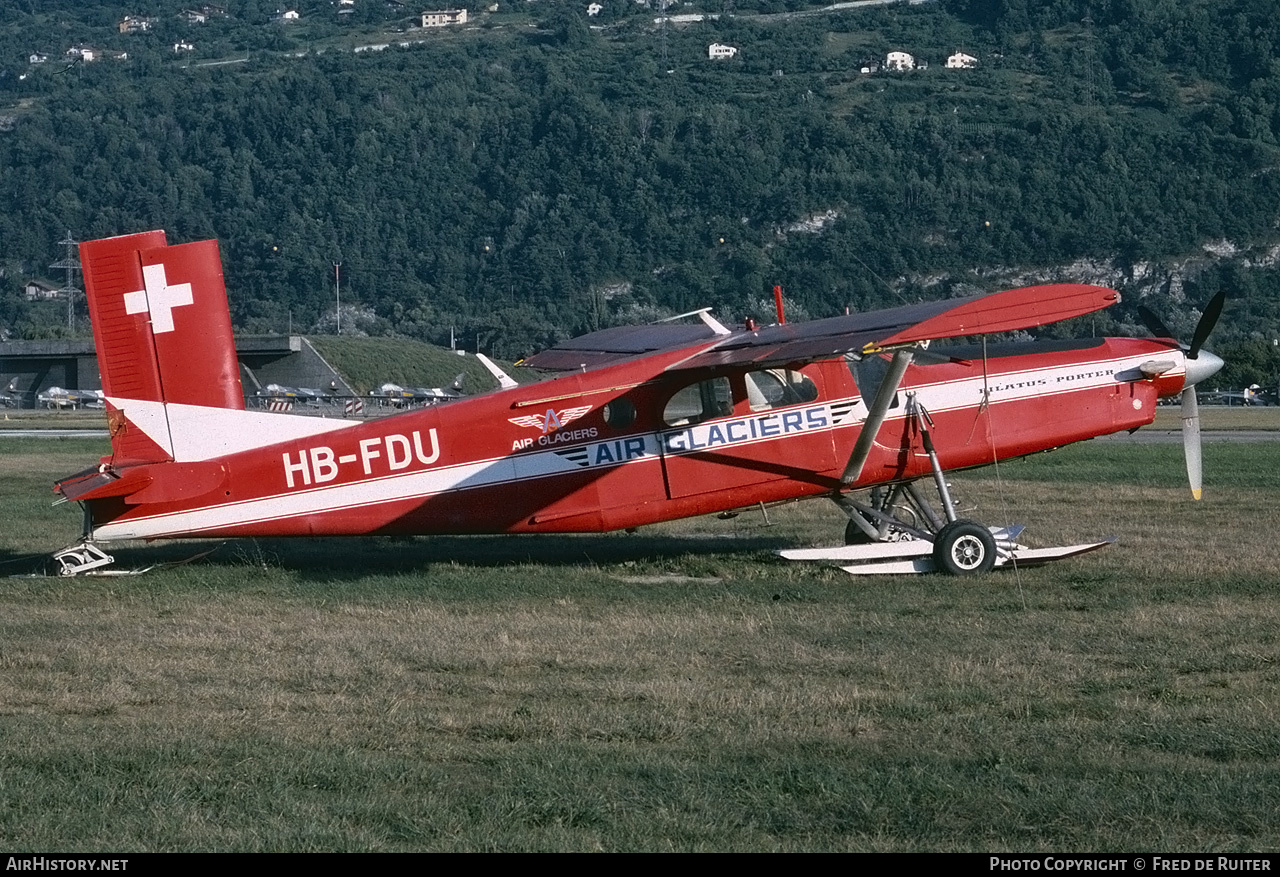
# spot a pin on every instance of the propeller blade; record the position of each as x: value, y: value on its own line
x: 1210, y: 319
x: 1191, y: 439
x: 1153, y: 323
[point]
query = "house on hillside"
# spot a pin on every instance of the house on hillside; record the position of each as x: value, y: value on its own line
x: 899, y: 61
x: 960, y: 61
x: 202, y: 14
x: 288, y: 17
x: 38, y: 290
x: 717, y: 51
x: 133, y: 24
x: 38, y: 58
x: 594, y: 9
x: 87, y: 53
x: 444, y: 18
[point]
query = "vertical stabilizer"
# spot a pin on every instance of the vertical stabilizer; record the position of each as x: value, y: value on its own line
x: 162, y: 331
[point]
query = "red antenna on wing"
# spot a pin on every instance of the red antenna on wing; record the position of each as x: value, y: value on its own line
x: 777, y: 303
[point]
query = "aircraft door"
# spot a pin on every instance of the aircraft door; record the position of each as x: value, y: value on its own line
x: 731, y: 431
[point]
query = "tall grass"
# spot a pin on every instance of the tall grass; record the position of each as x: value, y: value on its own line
x: 669, y: 690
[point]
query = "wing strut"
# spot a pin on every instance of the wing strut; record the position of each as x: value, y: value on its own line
x: 876, y: 414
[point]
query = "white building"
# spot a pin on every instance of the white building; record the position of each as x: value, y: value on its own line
x: 594, y: 9
x: 960, y: 60
x: 38, y: 290
x: 899, y: 61
x: 716, y: 51
x: 444, y: 18
x: 134, y: 25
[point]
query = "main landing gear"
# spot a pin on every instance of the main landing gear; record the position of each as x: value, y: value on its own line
x: 898, y: 531
x: 901, y: 513
x: 899, y: 522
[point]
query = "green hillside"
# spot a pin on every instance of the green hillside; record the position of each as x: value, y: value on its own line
x: 540, y: 173
x: 367, y: 363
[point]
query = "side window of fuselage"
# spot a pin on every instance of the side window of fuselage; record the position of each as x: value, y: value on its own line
x: 698, y: 402
x: 776, y: 388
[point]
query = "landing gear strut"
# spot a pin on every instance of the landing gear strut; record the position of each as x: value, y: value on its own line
x: 901, y: 512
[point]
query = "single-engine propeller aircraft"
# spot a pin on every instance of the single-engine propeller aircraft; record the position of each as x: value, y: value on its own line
x: 643, y: 424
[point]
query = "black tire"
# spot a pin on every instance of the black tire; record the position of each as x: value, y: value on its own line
x: 964, y: 548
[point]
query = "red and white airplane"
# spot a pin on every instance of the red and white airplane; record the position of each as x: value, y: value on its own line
x: 644, y: 424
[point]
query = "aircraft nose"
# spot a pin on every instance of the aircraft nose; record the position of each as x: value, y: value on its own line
x: 1206, y: 365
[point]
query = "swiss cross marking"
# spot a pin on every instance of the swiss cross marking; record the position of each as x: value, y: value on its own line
x: 159, y: 298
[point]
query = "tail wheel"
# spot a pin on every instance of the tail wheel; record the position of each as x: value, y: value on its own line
x: 964, y: 548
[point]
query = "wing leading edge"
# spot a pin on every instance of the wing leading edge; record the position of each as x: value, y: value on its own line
x: 1007, y: 311
x: 795, y: 343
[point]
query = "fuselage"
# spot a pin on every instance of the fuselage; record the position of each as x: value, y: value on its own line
x: 633, y: 443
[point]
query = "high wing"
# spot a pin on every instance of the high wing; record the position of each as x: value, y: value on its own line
x: 618, y: 343
x: 795, y: 343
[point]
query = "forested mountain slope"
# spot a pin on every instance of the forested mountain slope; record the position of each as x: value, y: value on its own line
x: 530, y: 176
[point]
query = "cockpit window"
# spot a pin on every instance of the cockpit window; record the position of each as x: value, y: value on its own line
x: 698, y: 402
x: 619, y: 413
x: 776, y: 388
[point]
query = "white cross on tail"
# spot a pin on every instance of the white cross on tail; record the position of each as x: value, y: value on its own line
x: 159, y: 298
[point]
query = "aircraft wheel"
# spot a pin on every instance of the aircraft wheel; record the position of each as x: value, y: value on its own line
x: 853, y: 535
x: 964, y: 548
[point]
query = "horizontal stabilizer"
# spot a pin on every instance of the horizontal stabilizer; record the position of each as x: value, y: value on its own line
x: 505, y: 380
x: 191, y: 433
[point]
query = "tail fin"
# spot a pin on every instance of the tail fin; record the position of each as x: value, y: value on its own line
x: 162, y: 330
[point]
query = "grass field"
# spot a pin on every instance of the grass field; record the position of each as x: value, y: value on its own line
x: 676, y: 689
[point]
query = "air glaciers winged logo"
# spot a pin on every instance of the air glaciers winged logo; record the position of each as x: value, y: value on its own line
x: 552, y: 420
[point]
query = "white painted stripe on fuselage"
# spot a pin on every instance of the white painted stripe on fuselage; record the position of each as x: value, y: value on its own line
x: 422, y: 484
x: 203, y: 433
x: 532, y: 465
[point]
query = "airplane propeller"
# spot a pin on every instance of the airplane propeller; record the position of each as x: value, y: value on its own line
x: 1208, y: 320
x: 1200, y: 365
x: 1153, y: 323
